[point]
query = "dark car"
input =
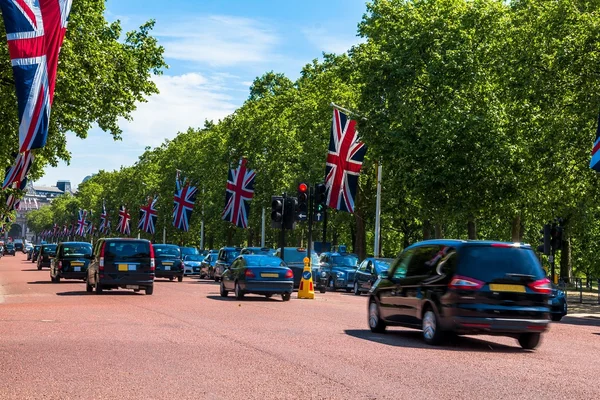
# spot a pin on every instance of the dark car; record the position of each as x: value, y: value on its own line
x: 121, y: 263
x: 19, y: 246
x: 558, y: 304
x: 44, y: 259
x: 188, y: 251
x: 224, y: 260
x: 259, y: 274
x: 368, y: 272
x: 168, y: 262
x: 71, y: 261
x: 337, y: 271
x: 294, y: 259
x: 464, y: 287
x: 207, y: 266
x: 35, y: 252
x: 9, y: 249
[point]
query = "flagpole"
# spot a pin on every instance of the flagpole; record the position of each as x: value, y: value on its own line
x: 202, y: 224
x: 164, y: 230
x: 378, y: 212
x: 262, y: 232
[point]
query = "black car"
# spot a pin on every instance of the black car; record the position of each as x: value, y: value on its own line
x: 121, y: 263
x: 19, y: 247
x: 558, y: 304
x: 168, y: 262
x: 9, y: 249
x: 35, y: 252
x: 224, y: 260
x: 337, y: 271
x: 71, y: 261
x: 368, y: 272
x: 464, y: 287
x: 207, y: 266
x: 47, y: 251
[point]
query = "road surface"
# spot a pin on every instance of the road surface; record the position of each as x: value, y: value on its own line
x: 185, y: 342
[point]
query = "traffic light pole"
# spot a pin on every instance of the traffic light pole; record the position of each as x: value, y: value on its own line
x: 552, y: 264
x: 282, y: 235
x: 324, y: 229
x: 311, y: 211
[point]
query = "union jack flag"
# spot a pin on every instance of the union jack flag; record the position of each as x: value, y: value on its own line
x: 65, y: 231
x: 183, y: 200
x: 90, y: 228
x: 344, y: 160
x: 17, y: 174
x: 124, y: 218
x: 239, y: 192
x: 35, y: 30
x: 81, y: 223
x: 148, y: 215
x: 595, y: 161
x: 55, y: 230
x: 104, y: 222
x: 72, y: 229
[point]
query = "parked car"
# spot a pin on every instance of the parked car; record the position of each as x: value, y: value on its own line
x: 464, y: 287
x: 168, y: 262
x: 294, y: 259
x: 207, y: 266
x: 192, y: 263
x: 188, y: 251
x: 35, y: 252
x: 558, y: 304
x: 71, y: 261
x: 259, y: 274
x: 337, y: 271
x: 368, y: 272
x: 121, y: 263
x: 224, y: 260
x: 9, y: 249
x: 47, y: 252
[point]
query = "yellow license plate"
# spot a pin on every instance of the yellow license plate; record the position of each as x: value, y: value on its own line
x: 268, y: 275
x: 123, y: 267
x: 167, y: 263
x: 497, y: 287
x: 77, y: 264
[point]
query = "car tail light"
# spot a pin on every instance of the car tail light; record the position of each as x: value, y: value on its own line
x: 152, y: 265
x: 541, y: 286
x: 249, y: 274
x: 60, y: 265
x: 101, y: 262
x: 465, y: 283
x: 289, y: 274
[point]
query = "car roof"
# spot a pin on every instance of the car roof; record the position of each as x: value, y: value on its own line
x: 231, y: 248
x: 125, y: 240
x: 462, y: 243
x: 76, y: 243
x: 167, y: 245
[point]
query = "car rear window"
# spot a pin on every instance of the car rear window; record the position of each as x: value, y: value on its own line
x: 76, y: 250
x: 167, y: 251
x: 49, y: 249
x: 189, y: 250
x: 297, y: 256
x: 487, y: 263
x: 126, y: 250
x: 266, y: 261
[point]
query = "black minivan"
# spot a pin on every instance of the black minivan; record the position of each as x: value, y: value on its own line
x: 464, y: 287
x: 71, y: 261
x: 168, y: 262
x: 121, y: 263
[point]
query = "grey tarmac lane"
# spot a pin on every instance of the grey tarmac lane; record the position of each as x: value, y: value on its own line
x: 185, y: 342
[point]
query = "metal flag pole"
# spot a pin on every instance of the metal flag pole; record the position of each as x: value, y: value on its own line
x: 378, y: 213
x: 202, y: 224
x: 262, y: 232
x: 164, y: 230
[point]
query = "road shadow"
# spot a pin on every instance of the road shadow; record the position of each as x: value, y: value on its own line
x: 32, y: 269
x: 414, y: 339
x: 48, y: 282
x: 247, y: 298
x: 104, y: 293
x: 589, y: 321
x: 202, y: 282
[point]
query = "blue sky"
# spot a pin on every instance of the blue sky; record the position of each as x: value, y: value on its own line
x: 214, y: 48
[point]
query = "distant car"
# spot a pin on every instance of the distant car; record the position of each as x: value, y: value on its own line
x: 558, y: 304
x: 368, y: 272
x: 191, y: 264
x: 47, y: 252
x: 294, y: 259
x: 259, y: 274
x: 185, y: 251
x: 224, y: 260
x: 337, y: 271
x: 466, y: 288
x: 207, y: 266
x: 9, y: 249
x: 28, y: 248
x: 19, y: 247
x: 256, y: 250
x: 121, y: 263
x: 168, y: 262
x: 35, y: 252
x: 71, y: 261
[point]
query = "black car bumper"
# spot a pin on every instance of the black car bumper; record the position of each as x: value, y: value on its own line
x: 168, y: 274
x: 125, y: 283
x: 73, y: 275
x: 500, y: 326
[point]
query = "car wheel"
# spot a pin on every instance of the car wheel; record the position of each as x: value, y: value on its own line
x: 239, y: 293
x: 171, y: 278
x: 268, y: 296
x: 180, y: 278
x: 88, y: 287
x: 57, y: 279
x: 556, y: 317
x: 376, y: 324
x: 529, y: 341
x: 39, y: 267
x: 432, y: 333
x: 286, y: 296
x: 331, y: 285
x: 322, y: 289
x: 356, y: 290
x: 52, y: 279
x: 98, y: 287
x: 222, y: 290
x: 149, y: 290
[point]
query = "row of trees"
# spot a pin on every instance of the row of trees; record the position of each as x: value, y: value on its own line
x: 482, y: 113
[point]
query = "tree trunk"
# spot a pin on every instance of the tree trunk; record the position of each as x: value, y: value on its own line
x: 360, y: 239
x: 472, y: 229
x: 566, y: 268
x: 229, y: 236
x: 250, y: 237
x: 353, y: 237
x: 439, y: 233
x: 426, y: 230
x: 516, y: 229
x: 211, y: 242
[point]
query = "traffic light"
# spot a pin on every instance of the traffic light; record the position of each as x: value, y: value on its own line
x: 320, y: 200
x: 276, y: 211
x: 289, y: 214
x: 545, y: 240
x: 557, y: 234
x: 302, y: 210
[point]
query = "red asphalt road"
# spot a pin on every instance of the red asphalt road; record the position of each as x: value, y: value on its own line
x: 185, y: 342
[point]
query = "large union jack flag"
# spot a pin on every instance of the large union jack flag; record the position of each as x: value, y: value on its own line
x: 124, y: 219
x: 81, y: 223
x: 148, y: 215
x: 239, y: 192
x: 35, y: 30
x: 183, y: 203
x: 595, y: 161
x: 344, y: 160
x: 17, y: 174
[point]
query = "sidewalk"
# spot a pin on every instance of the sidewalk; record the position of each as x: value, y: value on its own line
x: 589, y: 307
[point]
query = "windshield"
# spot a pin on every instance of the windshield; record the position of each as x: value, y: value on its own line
x: 231, y: 255
x: 346, y: 261
x: 194, y: 258
x: 489, y: 263
x: 76, y: 250
x: 189, y: 250
x: 382, y: 265
x: 257, y: 250
x: 167, y: 251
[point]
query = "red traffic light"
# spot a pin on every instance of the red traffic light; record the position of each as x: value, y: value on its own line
x: 303, y: 187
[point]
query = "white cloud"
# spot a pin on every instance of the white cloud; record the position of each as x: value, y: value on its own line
x: 218, y: 40
x: 328, y: 42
